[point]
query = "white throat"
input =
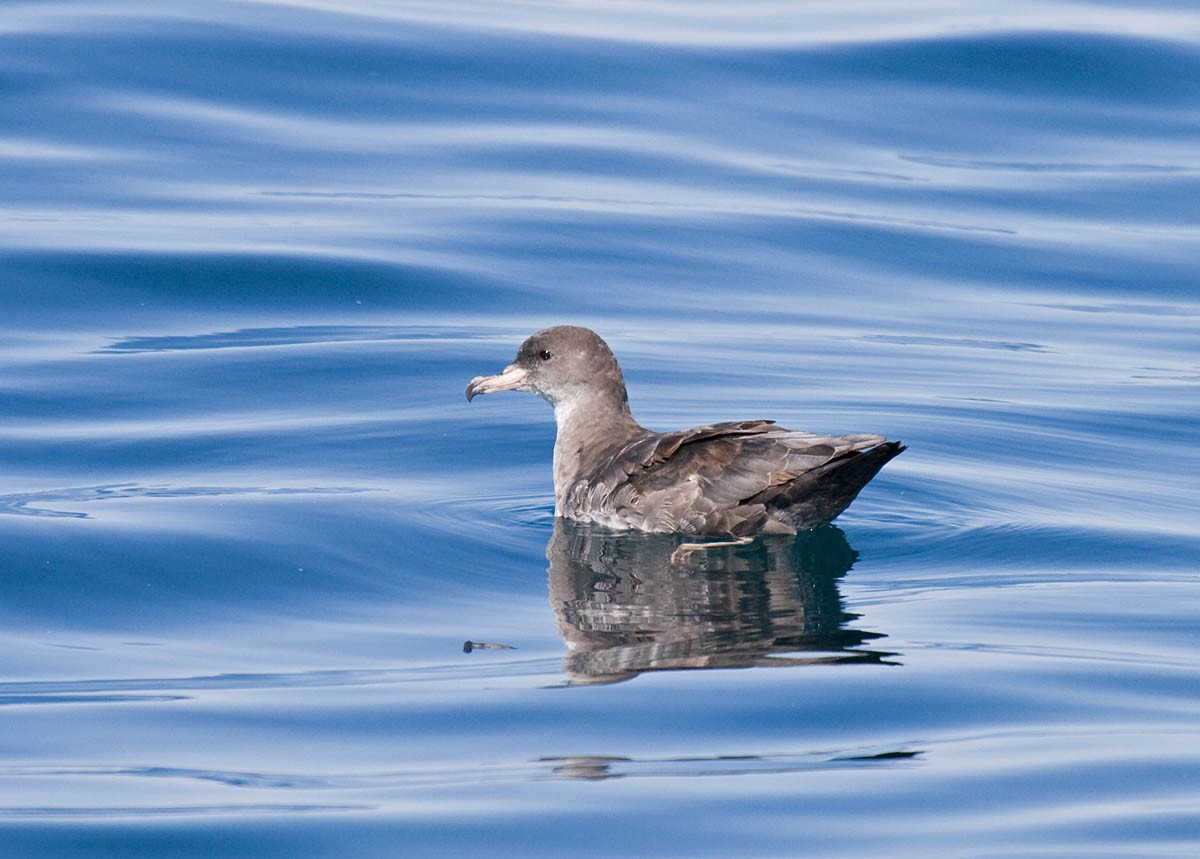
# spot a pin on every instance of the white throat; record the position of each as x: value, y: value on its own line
x: 564, y: 411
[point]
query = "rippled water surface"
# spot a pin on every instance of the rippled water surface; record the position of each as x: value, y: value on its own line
x: 253, y: 251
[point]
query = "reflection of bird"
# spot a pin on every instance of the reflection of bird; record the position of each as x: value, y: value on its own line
x: 623, y: 607
x: 746, y: 477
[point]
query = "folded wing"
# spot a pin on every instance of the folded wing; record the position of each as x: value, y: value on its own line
x: 736, y: 478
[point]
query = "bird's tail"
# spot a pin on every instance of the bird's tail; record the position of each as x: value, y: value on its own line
x: 818, y: 496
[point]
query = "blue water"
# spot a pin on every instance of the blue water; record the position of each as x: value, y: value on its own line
x: 253, y: 251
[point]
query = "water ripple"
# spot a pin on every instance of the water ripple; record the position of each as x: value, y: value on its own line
x: 582, y: 767
x: 222, y: 811
x: 292, y: 336
x: 957, y: 342
x: 30, y: 503
x: 1048, y: 167
x: 163, y: 688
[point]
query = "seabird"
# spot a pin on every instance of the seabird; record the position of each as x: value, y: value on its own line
x: 734, y: 479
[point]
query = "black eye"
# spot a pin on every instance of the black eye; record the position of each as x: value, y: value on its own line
x: 544, y: 354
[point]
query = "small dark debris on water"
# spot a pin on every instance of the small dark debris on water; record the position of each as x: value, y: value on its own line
x: 882, y: 756
x: 468, y: 646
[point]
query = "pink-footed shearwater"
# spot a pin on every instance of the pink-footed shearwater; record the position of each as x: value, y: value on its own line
x: 736, y: 479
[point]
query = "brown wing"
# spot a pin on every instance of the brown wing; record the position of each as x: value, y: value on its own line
x: 723, y: 478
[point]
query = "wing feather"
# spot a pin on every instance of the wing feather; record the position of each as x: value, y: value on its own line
x: 720, y: 478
